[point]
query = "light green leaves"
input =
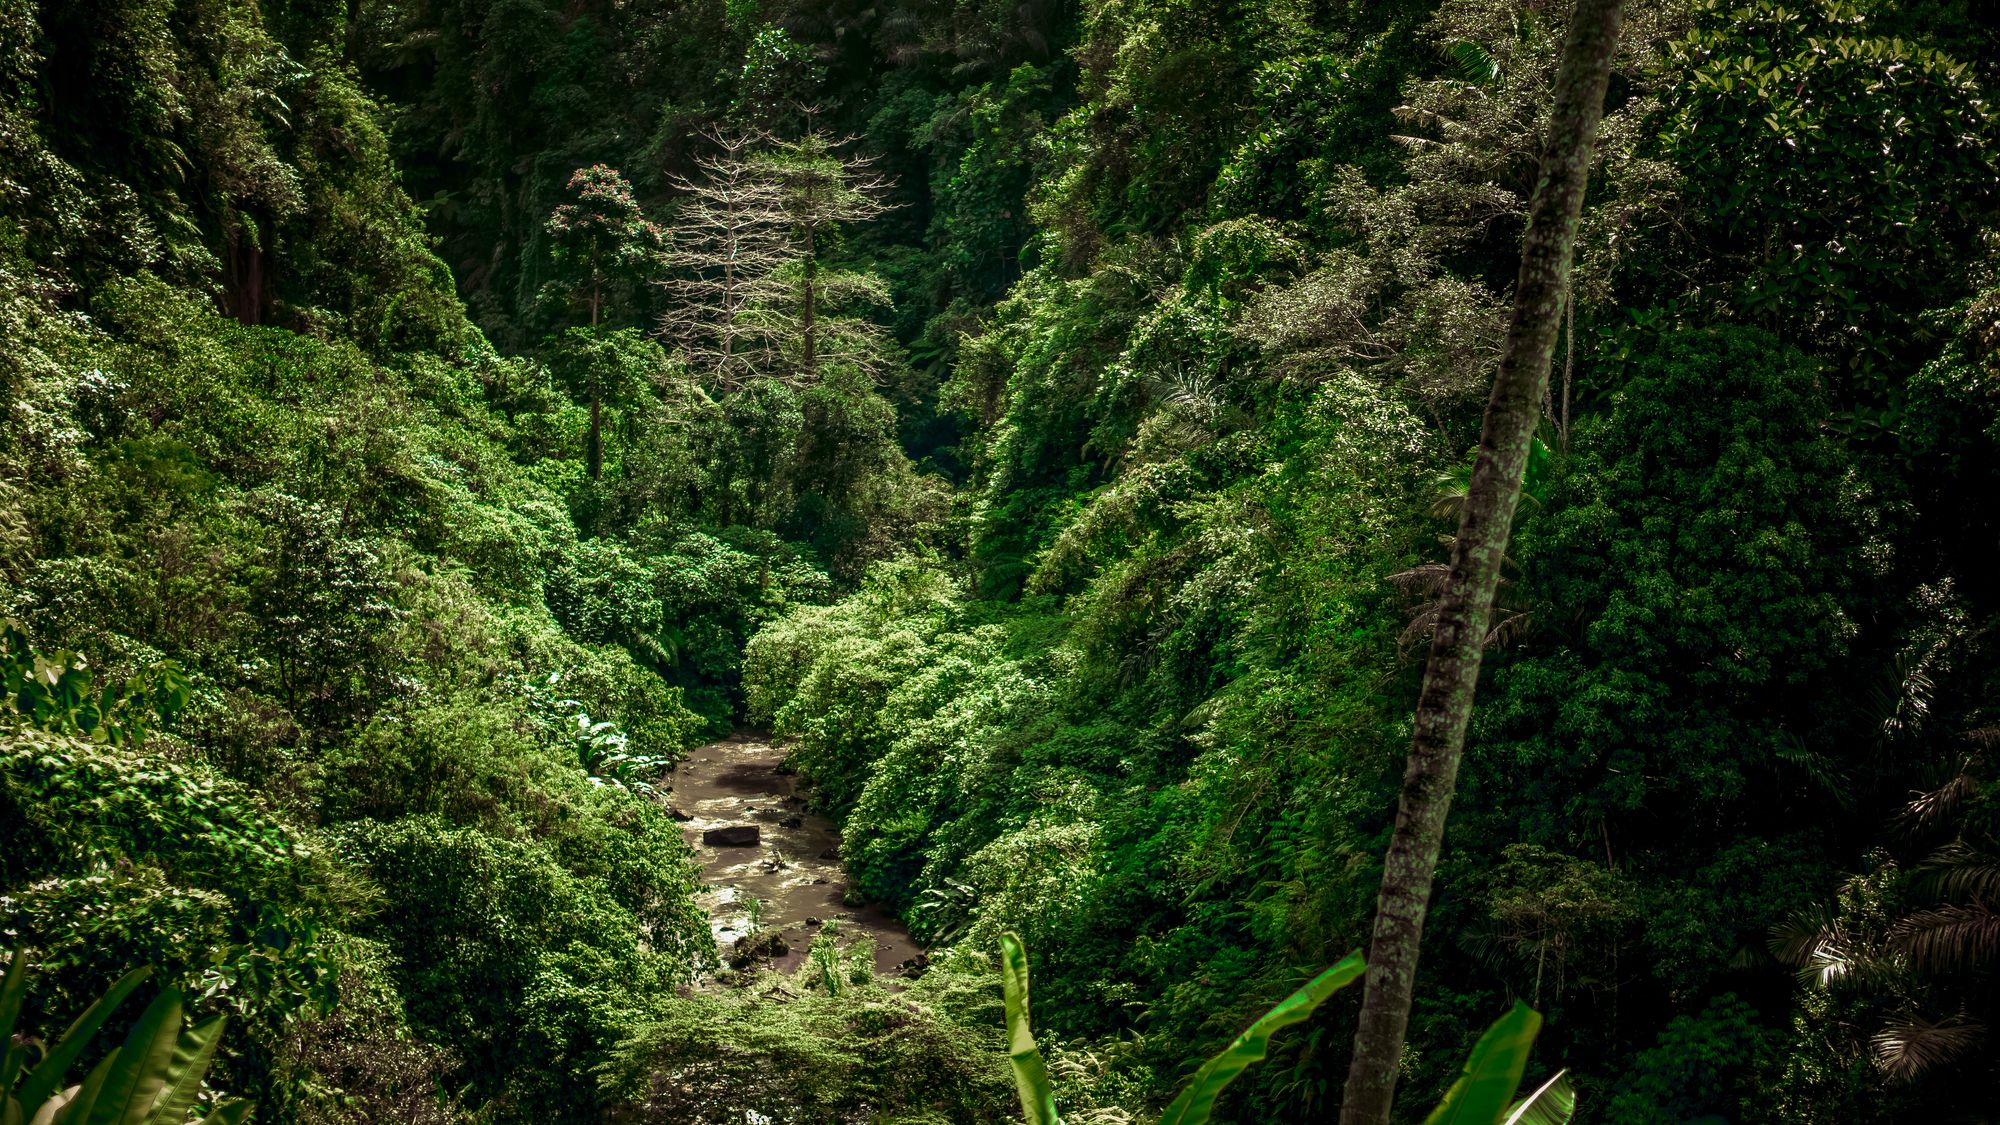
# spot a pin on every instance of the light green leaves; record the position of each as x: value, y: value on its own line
x: 1031, y: 1076
x: 1552, y: 1103
x: 1197, y: 1101
x: 1483, y: 1094
x: 1493, y: 1072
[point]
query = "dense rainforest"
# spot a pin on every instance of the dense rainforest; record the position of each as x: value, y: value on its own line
x: 426, y: 422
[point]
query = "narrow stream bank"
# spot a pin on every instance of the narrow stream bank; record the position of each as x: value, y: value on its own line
x: 790, y: 881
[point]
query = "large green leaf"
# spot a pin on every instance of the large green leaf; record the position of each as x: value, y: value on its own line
x: 1492, y: 1073
x: 81, y: 1105
x: 134, y: 1084
x: 1552, y: 1103
x: 1031, y: 1076
x: 1198, y: 1101
x: 15, y: 1054
x: 190, y: 1062
x: 47, y: 1114
x: 47, y: 1076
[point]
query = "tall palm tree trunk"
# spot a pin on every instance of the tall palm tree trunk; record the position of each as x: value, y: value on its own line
x: 1445, y: 706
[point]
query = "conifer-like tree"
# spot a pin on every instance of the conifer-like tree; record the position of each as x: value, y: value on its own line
x: 603, y: 243
x: 806, y: 304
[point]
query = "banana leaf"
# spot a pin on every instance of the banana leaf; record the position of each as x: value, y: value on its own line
x: 1197, y: 1101
x: 13, y: 1056
x: 192, y: 1056
x: 84, y: 1102
x: 1493, y: 1072
x: 134, y: 1084
x: 1031, y: 1075
x: 1552, y: 1103
x: 46, y: 1078
x: 47, y: 1114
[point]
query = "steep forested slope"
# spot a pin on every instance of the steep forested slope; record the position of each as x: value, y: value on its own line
x: 1222, y: 418
x: 251, y: 457
x: 433, y: 417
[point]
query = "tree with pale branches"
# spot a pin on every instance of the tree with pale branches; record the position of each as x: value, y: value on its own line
x: 728, y: 240
x: 752, y: 295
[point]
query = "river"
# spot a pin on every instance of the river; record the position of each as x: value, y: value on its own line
x: 791, y: 881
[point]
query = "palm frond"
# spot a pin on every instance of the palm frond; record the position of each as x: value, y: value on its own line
x: 1817, y: 768
x: 1950, y: 938
x: 1509, y: 627
x: 1810, y: 941
x: 1911, y: 1046
x: 1472, y: 64
x: 1960, y: 871
x: 1425, y: 580
x: 1813, y: 941
x: 1801, y: 935
x: 1930, y: 810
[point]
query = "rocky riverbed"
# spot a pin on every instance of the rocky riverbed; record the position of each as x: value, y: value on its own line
x: 788, y: 882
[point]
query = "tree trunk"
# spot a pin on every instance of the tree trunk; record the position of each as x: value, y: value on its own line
x: 594, y: 442
x: 1445, y: 705
x: 809, y: 301
x: 593, y: 455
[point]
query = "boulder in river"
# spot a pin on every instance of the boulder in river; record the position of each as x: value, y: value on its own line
x: 732, y: 836
x: 792, y: 822
x: 765, y: 945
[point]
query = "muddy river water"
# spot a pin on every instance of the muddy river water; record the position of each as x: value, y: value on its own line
x: 790, y: 881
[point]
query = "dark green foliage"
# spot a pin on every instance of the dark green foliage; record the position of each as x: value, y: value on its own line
x: 1482, y: 1095
x: 260, y: 510
x: 1204, y: 423
x: 1847, y: 168
x: 1694, y: 567
x: 1078, y: 572
x: 1705, y: 1063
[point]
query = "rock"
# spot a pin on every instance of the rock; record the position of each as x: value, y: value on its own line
x: 811, y: 921
x: 768, y: 945
x: 792, y: 822
x: 676, y: 814
x: 733, y: 836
